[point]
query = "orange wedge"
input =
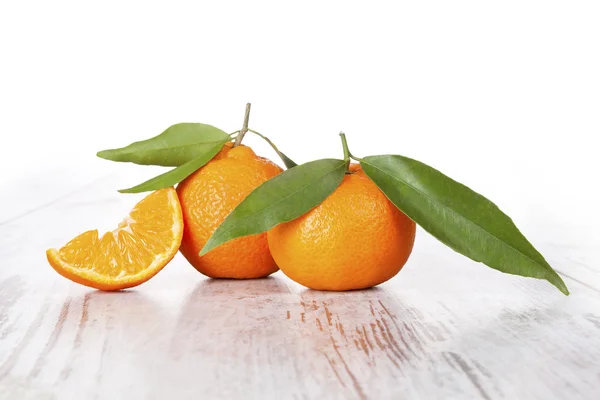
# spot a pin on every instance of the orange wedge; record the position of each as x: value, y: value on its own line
x: 144, y: 242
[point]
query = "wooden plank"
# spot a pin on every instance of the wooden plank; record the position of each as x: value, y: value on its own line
x: 445, y: 327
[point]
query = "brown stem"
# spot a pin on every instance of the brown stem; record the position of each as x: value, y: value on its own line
x: 240, y: 137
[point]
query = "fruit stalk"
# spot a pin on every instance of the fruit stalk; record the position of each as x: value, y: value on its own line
x: 244, y: 129
x: 346, y: 151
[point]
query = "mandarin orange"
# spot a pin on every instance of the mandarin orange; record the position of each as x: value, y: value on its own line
x: 355, y: 239
x: 207, y: 197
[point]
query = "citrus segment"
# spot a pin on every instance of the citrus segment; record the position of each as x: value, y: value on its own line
x: 143, y: 243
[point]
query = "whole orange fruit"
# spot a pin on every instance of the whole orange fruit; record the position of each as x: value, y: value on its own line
x: 355, y: 239
x: 207, y: 197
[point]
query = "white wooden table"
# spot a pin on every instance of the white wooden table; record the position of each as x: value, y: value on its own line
x: 444, y: 328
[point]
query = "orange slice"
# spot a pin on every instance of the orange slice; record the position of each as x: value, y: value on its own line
x: 138, y: 249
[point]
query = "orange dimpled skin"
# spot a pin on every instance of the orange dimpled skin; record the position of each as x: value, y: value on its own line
x: 355, y: 239
x: 207, y: 197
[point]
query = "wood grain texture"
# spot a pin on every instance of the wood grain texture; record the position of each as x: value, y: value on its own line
x: 445, y: 327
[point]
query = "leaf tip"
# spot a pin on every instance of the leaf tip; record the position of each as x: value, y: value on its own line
x: 204, y: 250
x: 289, y: 164
x: 564, y: 290
x: 211, y: 244
x: 557, y: 281
x: 103, y: 154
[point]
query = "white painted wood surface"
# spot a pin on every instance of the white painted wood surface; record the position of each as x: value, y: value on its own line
x: 444, y: 328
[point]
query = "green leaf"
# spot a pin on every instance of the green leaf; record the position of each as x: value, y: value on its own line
x: 178, y: 174
x: 280, y: 199
x: 286, y: 160
x: 179, y: 144
x: 462, y: 219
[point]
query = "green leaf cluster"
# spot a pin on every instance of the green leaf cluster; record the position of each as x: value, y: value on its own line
x: 185, y: 146
x: 457, y: 216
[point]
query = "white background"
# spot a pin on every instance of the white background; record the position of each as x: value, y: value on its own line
x: 503, y: 96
